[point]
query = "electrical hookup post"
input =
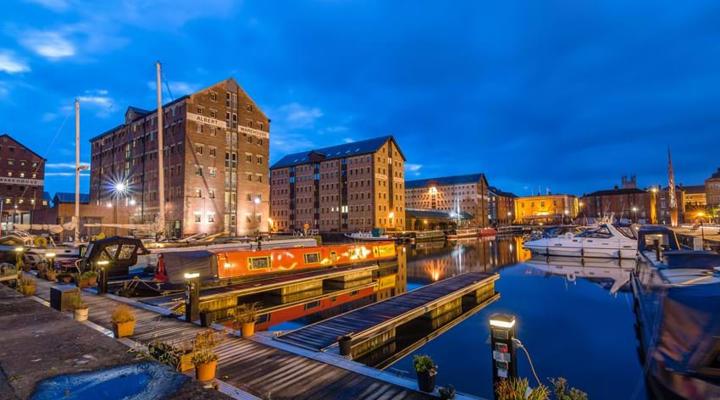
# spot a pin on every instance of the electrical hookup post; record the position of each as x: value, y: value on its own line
x: 192, y: 296
x: 504, y: 359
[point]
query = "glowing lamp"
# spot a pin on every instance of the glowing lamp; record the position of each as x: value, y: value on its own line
x: 191, y: 275
x: 502, y: 321
x: 102, y: 263
x: 19, y: 249
x: 50, y: 255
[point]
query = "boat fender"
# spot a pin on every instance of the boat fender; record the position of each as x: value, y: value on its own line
x: 160, y: 273
x: 569, y: 235
x: 571, y: 277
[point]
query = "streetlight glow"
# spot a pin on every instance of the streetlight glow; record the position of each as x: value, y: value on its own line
x: 257, y: 200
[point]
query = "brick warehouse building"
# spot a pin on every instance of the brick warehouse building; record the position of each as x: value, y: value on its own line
x: 215, y: 163
x: 459, y: 194
x: 350, y: 187
x: 22, y: 174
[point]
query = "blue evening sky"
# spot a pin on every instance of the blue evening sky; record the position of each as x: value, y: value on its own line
x: 566, y: 94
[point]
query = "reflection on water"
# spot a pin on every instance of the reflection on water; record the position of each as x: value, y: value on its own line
x: 575, y: 318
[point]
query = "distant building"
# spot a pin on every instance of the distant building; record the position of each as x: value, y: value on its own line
x: 712, y: 190
x: 502, y: 207
x: 663, y: 205
x: 216, y: 144
x: 695, y: 199
x: 350, y: 187
x: 627, y: 202
x: 455, y: 194
x: 22, y: 174
x: 62, y: 212
x: 550, y: 208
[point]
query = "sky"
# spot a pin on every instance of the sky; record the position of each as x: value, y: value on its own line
x: 559, y: 95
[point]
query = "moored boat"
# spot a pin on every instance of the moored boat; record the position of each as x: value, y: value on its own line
x: 604, y: 241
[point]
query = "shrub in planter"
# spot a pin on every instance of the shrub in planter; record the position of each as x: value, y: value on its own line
x: 26, y: 286
x: 123, y: 321
x: 89, y: 277
x: 80, y: 309
x: 205, y: 361
x: 426, y: 372
x: 245, y: 316
x: 176, y: 356
x: 65, y: 277
x: 51, y: 274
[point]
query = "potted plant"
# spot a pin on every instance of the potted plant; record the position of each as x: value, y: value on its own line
x: 205, y: 361
x: 176, y: 356
x: 51, y: 274
x: 246, y: 316
x: 426, y: 372
x: 87, y: 279
x: 26, y: 286
x: 80, y: 309
x: 123, y: 321
x: 65, y: 277
x: 204, y: 357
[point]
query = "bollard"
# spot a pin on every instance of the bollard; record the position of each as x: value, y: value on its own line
x: 502, y: 333
x: 344, y: 344
x: 192, y: 296
x: 102, y: 267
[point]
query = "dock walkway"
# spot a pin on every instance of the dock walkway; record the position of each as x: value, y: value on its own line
x: 261, y: 370
x: 376, y: 318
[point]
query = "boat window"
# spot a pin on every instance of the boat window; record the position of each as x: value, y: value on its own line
x: 259, y: 262
x: 312, y: 258
x: 599, y: 233
x: 312, y: 304
x: 333, y: 256
x: 627, y: 231
x: 263, y: 318
x: 111, y: 250
x: 126, y: 251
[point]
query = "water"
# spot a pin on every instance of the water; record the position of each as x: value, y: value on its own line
x: 572, y: 326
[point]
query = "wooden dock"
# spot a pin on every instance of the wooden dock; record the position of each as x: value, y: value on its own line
x: 375, y: 324
x: 255, y: 368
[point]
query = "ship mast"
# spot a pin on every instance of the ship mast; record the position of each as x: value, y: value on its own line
x: 77, y: 171
x: 161, y: 171
x: 672, y: 200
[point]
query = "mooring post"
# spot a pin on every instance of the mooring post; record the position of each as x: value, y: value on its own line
x: 192, y: 296
x: 656, y: 243
x: 502, y: 333
x: 102, y: 270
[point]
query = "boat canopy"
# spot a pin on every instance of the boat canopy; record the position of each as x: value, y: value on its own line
x: 665, y: 237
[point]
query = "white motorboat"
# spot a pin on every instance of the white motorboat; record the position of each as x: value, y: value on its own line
x: 367, y: 236
x: 616, y: 270
x: 604, y: 241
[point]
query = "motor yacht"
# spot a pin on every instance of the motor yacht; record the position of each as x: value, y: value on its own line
x: 603, y: 241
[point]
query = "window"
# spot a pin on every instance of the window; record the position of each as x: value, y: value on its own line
x: 198, y: 218
x: 198, y: 193
x: 198, y: 170
x: 211, y: 217
x: 312, y: 258
x: 199, y: 149
x: 212, y: 151
x: 258, y: 262
x: 212, y: 171
x: 211, y: 193
x: 259, y: 159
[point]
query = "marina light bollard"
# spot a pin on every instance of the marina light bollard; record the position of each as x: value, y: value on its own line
x: 192, y: 296
x: 102, y: 267
x: 502, y: 333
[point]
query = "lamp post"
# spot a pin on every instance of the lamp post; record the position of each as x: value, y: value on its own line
x: 634, y: 210
x: 700, y: 215
x: 255, y: 223
x: 502, y: 333
x: 192, y: 296
x: 119, y: 188
x: 102, y: 266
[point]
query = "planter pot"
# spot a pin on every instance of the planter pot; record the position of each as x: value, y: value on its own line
x: 66, y: 278
x: 426, y: 381
x: 185, y: 363
x: 81, y: 314
x: 123, y: 329
x: 83, y: 283
x: 248, y: 329
x: 51, y: 276
x: 92, y: 281
x: 345, y: 345
x: 205, y: 372
x: 27, y: 290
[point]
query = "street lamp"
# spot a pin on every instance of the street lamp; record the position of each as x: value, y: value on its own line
x: 700, y: 215
x: 120, y: 188
x: 634, y: 210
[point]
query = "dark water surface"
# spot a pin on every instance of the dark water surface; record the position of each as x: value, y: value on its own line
x: 572, y: 325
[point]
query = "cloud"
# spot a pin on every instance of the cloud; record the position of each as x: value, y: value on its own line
x: 55, y: 5
x: 348, y: 140
x: 11, y: 64
x: 96, y: 99
x: 414, y: 169
x: 297, y: 116
x: 177, y: 88
x: 52, y: 45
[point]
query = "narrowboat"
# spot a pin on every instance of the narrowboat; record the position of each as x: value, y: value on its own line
x: 243, y: 264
